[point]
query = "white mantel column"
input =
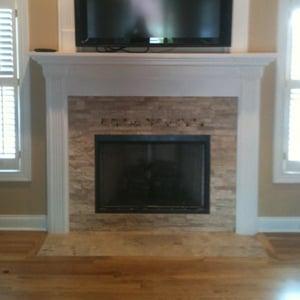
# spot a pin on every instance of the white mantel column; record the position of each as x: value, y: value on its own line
x: 57, y: 149
x: 248, y: 151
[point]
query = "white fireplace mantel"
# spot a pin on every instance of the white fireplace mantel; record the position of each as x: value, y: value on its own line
x: 207, y: 75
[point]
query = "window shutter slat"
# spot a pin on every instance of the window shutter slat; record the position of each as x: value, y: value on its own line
x: 7, y: 55
x: 7, y: 123
x: 8, y: 86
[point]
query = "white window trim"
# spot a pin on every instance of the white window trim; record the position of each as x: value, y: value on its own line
x: 24, y: 173
x: 280, y: 175
x: 240, y: 26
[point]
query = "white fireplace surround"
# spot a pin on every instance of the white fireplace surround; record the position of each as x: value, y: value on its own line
x: 198, y: 75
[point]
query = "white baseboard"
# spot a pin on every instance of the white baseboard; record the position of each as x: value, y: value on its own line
x: 23, y: 223
x: 279, y: 224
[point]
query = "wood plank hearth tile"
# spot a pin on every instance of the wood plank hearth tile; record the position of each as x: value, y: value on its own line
x: 191, y: 244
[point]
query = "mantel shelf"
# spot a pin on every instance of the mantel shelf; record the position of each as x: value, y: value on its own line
x: 224, y: 59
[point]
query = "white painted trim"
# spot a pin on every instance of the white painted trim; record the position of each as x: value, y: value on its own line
x: 198, y: 75
x: 23, y: 40
x: 16, y: 176
x: 281, y: 120
x: 240, y: 26
x: 66, y: 25
x: 279, y: 224
x: 24, y: 173
x: 25, y: 93
x: 23, y: 223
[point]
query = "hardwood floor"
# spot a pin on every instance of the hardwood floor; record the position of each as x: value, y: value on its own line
x: 20, y: 245
x: 286, y: 247
x: 23, y: 275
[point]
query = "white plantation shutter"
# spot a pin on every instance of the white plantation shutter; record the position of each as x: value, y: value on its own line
x: 294, y: 126
x: 6, y: 43
x: 9, y: 90
x: 292, y: 135
x: 287, y: 114
x: 295, y: 44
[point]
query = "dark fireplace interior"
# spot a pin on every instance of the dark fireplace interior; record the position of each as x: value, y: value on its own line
x: 152, y: 174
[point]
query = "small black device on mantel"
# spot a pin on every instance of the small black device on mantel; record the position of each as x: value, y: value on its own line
x: 44, y: 50
x: 153, y: 23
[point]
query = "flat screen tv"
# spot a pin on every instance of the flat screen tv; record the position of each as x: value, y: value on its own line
x: 148, y: 23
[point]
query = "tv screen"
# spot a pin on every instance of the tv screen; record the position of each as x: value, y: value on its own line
x: 153, y: 23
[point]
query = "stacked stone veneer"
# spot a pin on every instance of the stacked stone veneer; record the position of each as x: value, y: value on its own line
x: 90, y: 116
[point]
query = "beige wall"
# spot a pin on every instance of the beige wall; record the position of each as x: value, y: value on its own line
x: 43, y: 24
x: 30, y: 198
x: 275, y: 199
x: 27, y: 198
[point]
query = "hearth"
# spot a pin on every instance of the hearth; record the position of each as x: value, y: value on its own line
x: 152, y: 174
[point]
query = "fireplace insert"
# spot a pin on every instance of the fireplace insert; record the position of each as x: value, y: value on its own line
x: 152, y: 174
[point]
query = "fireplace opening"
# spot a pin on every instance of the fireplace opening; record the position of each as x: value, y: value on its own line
x: 152, y: 174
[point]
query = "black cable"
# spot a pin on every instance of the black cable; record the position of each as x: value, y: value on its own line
x: 109, y: 49
x: 113, y: 49
x: 146, y: 50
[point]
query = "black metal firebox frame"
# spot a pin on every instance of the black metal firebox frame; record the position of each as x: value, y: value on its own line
x: 203, y: 139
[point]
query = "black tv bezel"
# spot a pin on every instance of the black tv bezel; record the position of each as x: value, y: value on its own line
x: 82, y: 40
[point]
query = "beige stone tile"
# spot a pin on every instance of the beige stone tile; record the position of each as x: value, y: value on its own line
x: 166, y: 243
x: 89, y: 116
